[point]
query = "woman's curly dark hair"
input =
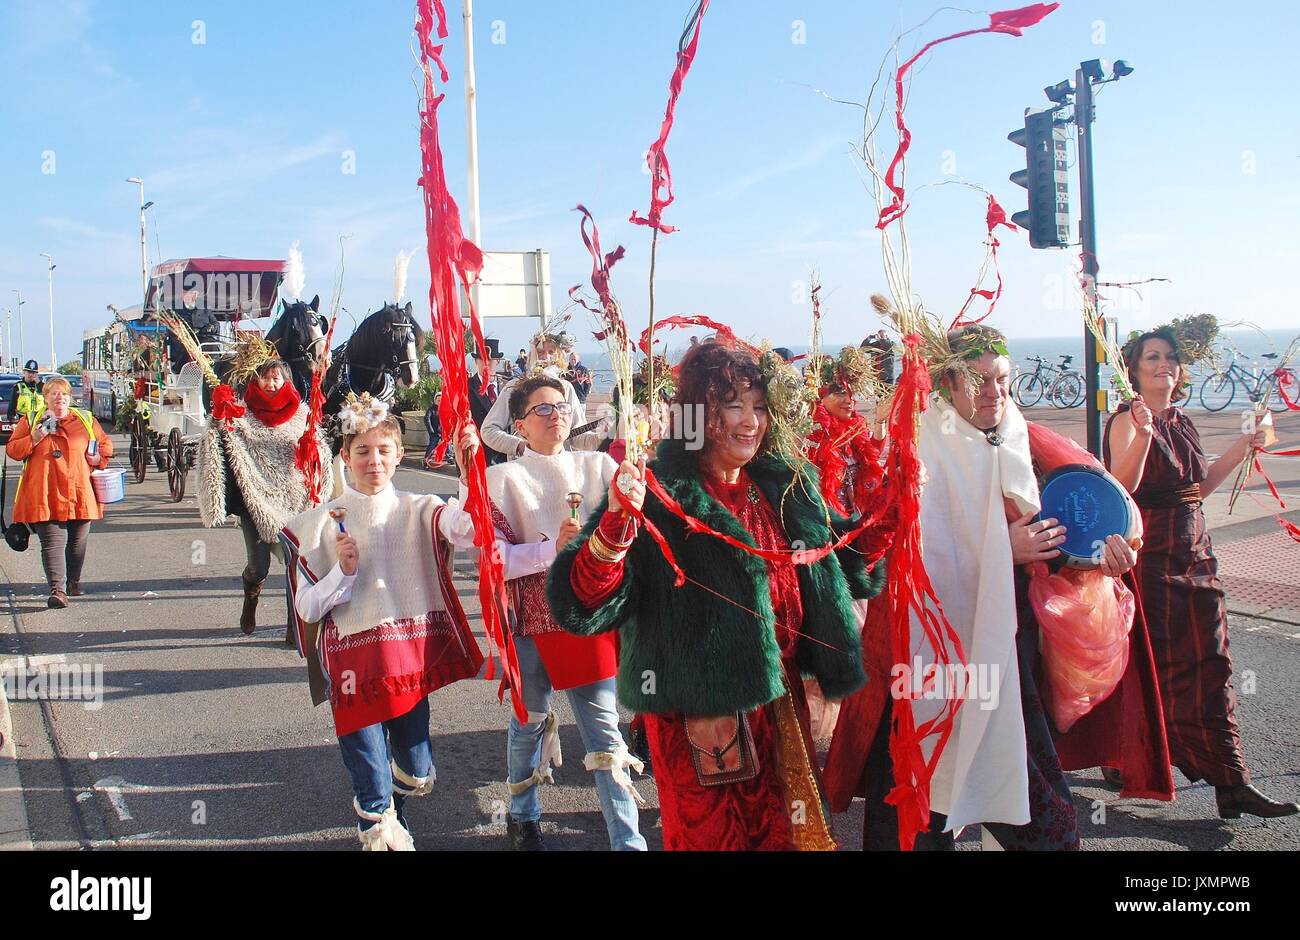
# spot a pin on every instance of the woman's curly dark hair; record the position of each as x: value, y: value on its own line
x: 1133, y: 355
x: 709, y: 376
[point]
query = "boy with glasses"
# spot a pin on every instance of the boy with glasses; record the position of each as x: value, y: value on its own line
x: 539, y: 502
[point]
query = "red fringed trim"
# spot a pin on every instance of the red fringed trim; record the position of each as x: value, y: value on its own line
x: 452, y: 258
x: 661, y: 177
x: 911, y: 594
x: 1007, y: 22
x: 225, y: 406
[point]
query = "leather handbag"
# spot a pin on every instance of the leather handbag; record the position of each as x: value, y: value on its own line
x: 722, y: 749
x: 17, y: 535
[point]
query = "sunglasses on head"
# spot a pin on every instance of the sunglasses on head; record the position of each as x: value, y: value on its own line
x: 546, y: 409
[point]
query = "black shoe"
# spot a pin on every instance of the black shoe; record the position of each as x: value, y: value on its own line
x: 1233, y: 801
x: 1113, y: 777
x: 525, y: 836
x: 639, y: 747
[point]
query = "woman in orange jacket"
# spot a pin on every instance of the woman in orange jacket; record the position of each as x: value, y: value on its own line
x: 60, y: 445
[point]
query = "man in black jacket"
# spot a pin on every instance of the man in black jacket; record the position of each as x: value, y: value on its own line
x: 483, y: 396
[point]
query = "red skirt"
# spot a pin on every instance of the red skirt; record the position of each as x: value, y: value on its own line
x: 384, y: 672
x: 737, y: 817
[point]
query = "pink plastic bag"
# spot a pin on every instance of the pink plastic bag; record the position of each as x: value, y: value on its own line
x: 1085, y: 618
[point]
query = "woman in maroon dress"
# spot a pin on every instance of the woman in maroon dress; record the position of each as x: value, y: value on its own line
x: 1153, y: 448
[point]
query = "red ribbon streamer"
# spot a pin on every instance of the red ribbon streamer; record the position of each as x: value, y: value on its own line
x: 725, y: 334
x: 1007, y: 22
x: 452, y: 258
x: 994, y: 217
x: 1286, y: 378
x: 307, y: 456
x: 661, y: 177
x: 912, y: 595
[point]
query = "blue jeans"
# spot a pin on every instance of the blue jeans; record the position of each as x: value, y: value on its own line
x: 597, y: 717
x: 366, y: 753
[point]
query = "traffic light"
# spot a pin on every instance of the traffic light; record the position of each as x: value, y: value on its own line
x: 1046, y: 177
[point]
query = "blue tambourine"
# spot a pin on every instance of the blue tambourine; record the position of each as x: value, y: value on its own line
x: 1092, y: 505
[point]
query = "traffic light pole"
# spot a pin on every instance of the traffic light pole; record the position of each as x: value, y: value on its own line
x: 1083, y: 118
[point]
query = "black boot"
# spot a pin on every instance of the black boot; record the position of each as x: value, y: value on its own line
x: 525, y: 836
x: 248, y: 619
x: 1233, y: 801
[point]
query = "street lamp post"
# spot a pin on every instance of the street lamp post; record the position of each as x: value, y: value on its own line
x: 144, y: 258
x: 1090, y: 73
x: 54, y: 359
x: 22, y: 345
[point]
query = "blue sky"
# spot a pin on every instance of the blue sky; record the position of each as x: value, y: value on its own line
x: 241, y: 140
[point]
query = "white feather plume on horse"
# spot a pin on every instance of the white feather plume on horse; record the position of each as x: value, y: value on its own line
x: 295, y: 277
x: 399, y: 274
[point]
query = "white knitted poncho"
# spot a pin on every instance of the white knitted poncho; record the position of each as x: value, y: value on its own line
x: 530, y: 491
x: 403, y: 569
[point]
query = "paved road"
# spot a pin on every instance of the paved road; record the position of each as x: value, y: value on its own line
x: 206, y: 738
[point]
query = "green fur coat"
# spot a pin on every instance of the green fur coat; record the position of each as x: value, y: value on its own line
x: 685, y: 650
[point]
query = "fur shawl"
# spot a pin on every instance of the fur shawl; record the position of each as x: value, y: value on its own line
x: 687, y: 650
x: 261, y: 462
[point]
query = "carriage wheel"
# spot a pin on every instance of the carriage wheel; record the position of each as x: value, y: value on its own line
x: 177, y: 470
x: 139, y: 452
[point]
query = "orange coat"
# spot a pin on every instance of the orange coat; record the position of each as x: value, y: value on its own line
x: 57, y: 489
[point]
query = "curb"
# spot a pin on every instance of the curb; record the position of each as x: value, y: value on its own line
x: 15, y: 834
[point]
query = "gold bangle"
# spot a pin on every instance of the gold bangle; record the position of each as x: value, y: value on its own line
x: 602, y: 551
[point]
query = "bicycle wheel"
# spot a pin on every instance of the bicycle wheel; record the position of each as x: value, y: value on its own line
x: 1027, y: 389
x: 1068, y: 391
x: 1217, y: 391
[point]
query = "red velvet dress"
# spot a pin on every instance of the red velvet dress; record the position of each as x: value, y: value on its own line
x: 1185, y: 607
x: 747, y: 816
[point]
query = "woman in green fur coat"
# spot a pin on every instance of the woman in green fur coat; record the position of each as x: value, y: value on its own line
x: 715, y: 665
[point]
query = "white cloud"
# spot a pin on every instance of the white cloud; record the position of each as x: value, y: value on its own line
x: 237, y: 166
x: 809, y: 158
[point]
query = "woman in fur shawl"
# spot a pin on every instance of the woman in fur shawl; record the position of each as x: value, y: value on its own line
x: 247, y: 469
x: 715, y: 664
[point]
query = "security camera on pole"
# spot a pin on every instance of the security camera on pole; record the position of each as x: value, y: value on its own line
x: 1047, y: 181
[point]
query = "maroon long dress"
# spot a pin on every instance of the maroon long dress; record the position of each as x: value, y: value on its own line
x: 1185, y: 607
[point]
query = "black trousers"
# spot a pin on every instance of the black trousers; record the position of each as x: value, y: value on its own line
x: 257, y: 552
x: 63, y: 550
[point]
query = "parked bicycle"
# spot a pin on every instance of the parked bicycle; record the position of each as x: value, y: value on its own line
x: 1062, y: 385
x: 1220, y: 386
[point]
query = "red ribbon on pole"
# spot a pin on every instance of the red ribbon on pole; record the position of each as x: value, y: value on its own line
x: 453, y: 258
x: 994, y: 217
x: 307, y: 455
x: 1006, y: 22
x: 661, y: 177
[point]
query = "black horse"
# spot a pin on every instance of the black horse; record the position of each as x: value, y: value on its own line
x: 299, y: 338
x: 382, y: 354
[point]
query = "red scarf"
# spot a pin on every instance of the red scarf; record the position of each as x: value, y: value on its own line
x: 272, y: 410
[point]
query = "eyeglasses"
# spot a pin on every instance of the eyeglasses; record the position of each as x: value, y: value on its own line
x: 546, y: 409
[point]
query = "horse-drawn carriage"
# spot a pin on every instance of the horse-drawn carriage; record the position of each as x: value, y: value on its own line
x: 217, y: 299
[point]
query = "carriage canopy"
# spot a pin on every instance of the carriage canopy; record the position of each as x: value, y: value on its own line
x: 226, y: 289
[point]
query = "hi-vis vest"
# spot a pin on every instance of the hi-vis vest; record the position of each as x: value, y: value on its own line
x: 30, y: 401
